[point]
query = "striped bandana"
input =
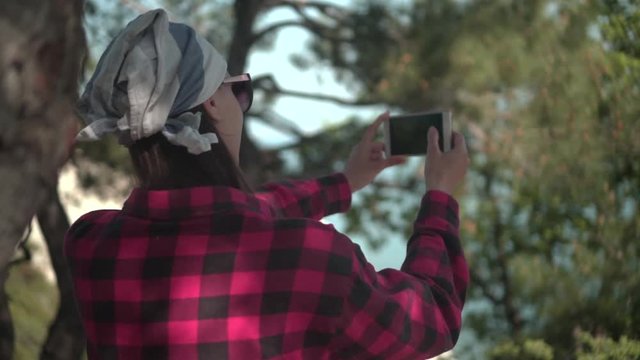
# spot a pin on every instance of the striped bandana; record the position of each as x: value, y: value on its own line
x: 147, y: 79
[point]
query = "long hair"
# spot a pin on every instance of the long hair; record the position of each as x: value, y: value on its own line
x: 162, y: 165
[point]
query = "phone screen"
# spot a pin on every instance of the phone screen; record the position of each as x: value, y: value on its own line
x: 408, y: 133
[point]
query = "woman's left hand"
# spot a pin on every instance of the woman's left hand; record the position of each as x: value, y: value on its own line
x: 367, y: 158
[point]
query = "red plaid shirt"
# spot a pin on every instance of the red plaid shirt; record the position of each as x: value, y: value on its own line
x: 215, y: 273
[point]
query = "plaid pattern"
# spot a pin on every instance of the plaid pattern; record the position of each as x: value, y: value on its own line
x: 214, y: 273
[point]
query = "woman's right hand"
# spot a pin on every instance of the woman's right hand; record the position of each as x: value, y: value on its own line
x: 445, y: 171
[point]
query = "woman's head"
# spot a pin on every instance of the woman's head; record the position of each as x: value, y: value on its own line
x: 226, y: 107
x: 165, y: 92
x: 162, y: 165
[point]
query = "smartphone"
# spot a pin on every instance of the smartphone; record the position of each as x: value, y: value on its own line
x: 407, y: 134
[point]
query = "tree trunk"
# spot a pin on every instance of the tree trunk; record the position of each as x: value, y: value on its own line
x: 66, y: 336
x: 42, y: 45
x: 246, y: 11
x: 6, y: 324
x: 40, y: 60
x: 511, y: 312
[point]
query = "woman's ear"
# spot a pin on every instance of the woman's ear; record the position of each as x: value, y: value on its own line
x: 210, y: 107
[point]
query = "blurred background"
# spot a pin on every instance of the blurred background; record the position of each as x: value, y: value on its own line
x: 546, y: 92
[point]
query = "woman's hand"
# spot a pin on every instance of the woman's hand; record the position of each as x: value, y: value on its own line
x: 367, y: 158
x: 445, y: 171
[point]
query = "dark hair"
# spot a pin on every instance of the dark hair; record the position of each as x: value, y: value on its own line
x: 162, y: 165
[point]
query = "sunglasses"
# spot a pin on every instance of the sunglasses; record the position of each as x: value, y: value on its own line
x: 242, y: 89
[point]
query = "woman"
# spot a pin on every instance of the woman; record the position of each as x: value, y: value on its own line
x: 196, y: 266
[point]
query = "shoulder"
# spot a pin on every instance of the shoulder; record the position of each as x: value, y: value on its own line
x: 90, y: 222
x: 83, y: 235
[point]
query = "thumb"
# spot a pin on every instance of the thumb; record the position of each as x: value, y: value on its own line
x: 432, y: 146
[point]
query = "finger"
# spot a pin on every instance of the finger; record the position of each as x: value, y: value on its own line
x: 459, y: 143
x: 377, y: 146
x: 432, y: 147
x: 395, y: 160
x: 371, y: 131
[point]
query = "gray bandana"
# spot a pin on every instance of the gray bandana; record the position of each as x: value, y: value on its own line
x: 146, y: 80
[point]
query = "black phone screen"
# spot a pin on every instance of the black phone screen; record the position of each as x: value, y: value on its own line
x: 408, y: 133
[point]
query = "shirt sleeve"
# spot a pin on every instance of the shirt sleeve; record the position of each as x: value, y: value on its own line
x: 415, y: 312
x: 312, y: 199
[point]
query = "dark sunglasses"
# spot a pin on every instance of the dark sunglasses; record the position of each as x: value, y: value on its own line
x: 242, y: 89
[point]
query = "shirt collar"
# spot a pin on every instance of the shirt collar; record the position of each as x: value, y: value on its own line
x: 191, y: 202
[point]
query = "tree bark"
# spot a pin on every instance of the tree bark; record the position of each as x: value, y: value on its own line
x: 40, y: 60
x: 41, y: 52
x: 65, y: 340
x: 6, y: 324
x: 246, y: 11
x: 512, y: 314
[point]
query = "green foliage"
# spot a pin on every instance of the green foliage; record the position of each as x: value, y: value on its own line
x: 527, y: 350
x: 604, y: 348
x: 588, y: 347
x: 546, y: 92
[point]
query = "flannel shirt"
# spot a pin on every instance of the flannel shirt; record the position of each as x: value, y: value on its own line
x: 216, y: 273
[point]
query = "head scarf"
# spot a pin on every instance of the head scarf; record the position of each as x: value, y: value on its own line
x: 147, y: 79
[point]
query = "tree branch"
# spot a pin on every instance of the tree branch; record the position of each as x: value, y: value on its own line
x: 308, y: 140
x: 484, y: 288
x: 135, y: 6
x: 327, y: 9
x: 333, y: 12
x: 27, y: 254
x: 278, y: 122
x: 139, y: 8
x: 511, y: 312
x: 274, y: 27
x: 313, y: 26
x: 268, y: 84
x: 324, y: 30
x: 323, y: 97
